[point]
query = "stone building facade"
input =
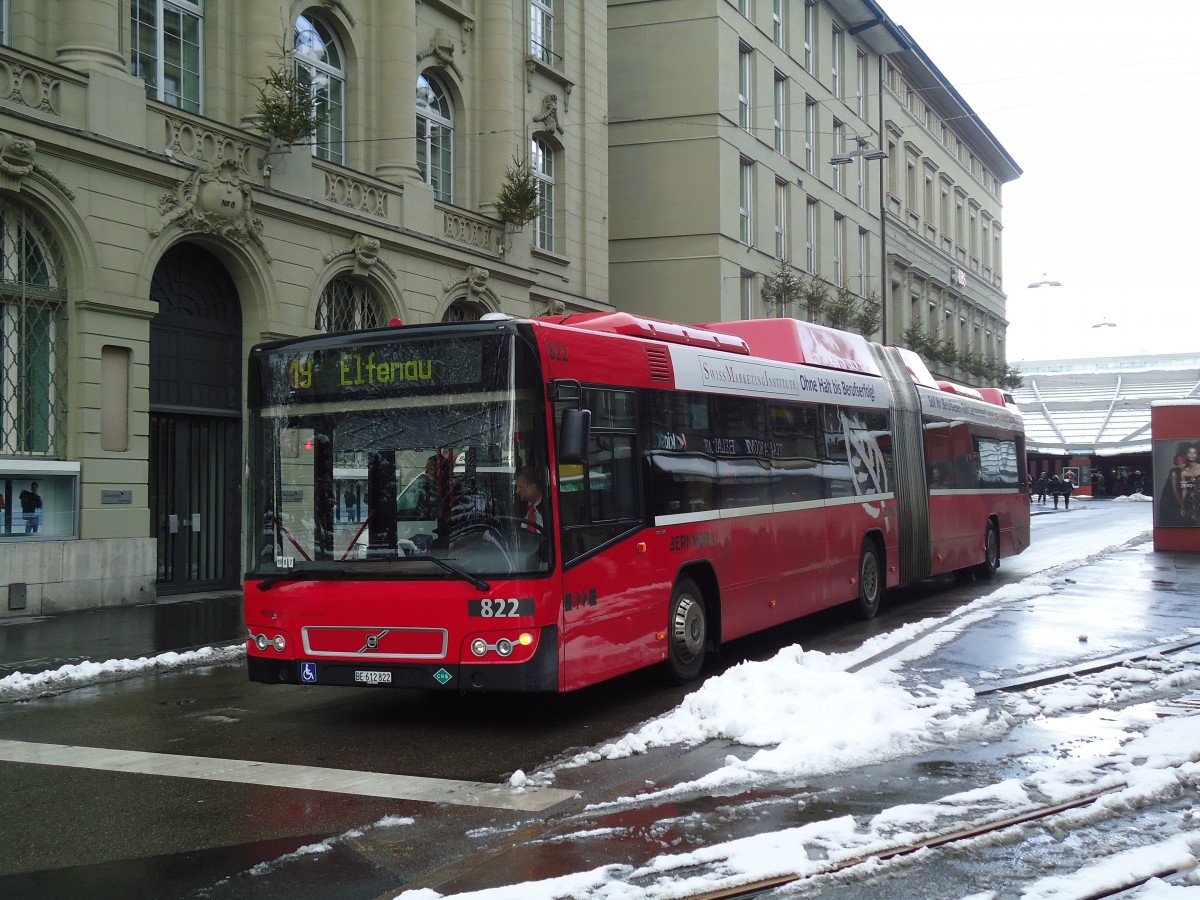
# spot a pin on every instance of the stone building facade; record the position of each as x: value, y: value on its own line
x: 742, y: 133
x: 150, y: 234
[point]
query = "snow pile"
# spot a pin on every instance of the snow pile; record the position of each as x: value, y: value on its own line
x: 19, y: 686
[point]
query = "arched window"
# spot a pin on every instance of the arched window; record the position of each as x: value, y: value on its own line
x: 317, y: 52
x: 541, y: 157
x: 33, y: 373
x: 348, y: 304
x: 464, y: 310
x: 435, y: 137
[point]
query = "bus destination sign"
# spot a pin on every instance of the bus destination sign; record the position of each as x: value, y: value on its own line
x: 398, y: 368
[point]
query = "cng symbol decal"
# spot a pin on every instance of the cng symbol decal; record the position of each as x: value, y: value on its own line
x: 442, y: 676
x: 308, y: 672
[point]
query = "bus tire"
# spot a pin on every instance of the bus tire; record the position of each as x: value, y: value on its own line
x: 986, y: 570
x: 870, y: 581
x: 687, y: 632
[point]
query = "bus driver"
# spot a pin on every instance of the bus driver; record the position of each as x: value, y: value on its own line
x: 529, y: 492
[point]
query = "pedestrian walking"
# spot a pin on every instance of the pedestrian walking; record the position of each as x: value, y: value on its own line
x: 1068, y: 485
x: 1042, y: 485
x: 1056, y: 486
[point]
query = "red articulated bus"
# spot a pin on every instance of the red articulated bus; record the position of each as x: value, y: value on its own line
x: 542, y: 504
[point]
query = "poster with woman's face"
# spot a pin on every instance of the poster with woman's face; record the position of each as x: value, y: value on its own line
x: 1177, y: 483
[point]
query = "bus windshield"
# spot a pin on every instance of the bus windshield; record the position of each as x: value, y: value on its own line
x: 399, y: 456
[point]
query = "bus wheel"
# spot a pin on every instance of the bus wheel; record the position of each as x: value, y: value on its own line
x: 688, y: 633
x: 870, y: 581
x: 991, y: 555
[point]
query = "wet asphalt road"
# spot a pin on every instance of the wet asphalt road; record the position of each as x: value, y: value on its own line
x: 84, y: 832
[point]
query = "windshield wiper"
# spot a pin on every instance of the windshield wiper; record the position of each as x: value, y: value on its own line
x: 462, y: 573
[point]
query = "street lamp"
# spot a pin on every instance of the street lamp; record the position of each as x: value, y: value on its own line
x: 1048, y: 282
x: 863, y: 151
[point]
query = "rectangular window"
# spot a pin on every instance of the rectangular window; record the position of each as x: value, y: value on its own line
x: 810, y: 134
x: 743, y: 461
x: 166, y: 51
x: 860, y: 88
x: 683, y: 473
x: 41, y: 500
x: 781, y: 113
x: 781, y: 193
x: 860, y: 174
x: 810, y: 22
x: 542, y: 161
x: 777, y: 23
x: 744, y: 75
x: 838, y: 136
x: 745, y: 202
x: 863, y: 261
x: 839, y: 249
x: 810, y: 237
x: 541, y: 30
x: 795, y: 438
x: 748, y: 292
x: 836, y: 68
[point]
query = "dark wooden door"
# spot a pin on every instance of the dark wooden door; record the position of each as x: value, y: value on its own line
x: 195, y: 423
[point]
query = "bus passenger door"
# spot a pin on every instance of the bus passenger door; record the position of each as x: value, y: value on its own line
x: 610, y: 614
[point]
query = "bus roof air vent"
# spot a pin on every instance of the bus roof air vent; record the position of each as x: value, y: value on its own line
x: 660, y: 364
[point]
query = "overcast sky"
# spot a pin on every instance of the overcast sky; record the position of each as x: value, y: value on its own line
x: 1098, y: 104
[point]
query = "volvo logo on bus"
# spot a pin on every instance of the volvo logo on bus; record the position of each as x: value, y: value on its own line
x: 373, y: 640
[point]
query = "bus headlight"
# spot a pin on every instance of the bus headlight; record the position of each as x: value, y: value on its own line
x: 479, y: 647
x: 504, y: 647
x: 280, y: 643
x: 260, y: 641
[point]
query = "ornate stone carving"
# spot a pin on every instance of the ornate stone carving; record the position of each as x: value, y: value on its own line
x: 30, y: 87
x: 354, y: 194
x: 16, y: 157
x: 17, y: 162
x: 441, y: 48
x: 549, y: 115
x: 213, y: 200
x: 470, y: 231
x: 477, y: 279
x: 190, y: 141
x: 474, y: 288
x: 365, y: 251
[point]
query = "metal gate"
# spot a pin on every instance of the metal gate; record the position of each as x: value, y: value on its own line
x: 195, y: 423
x: 192, y: 504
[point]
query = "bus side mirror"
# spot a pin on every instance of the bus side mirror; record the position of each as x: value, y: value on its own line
x: 573, y: 435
